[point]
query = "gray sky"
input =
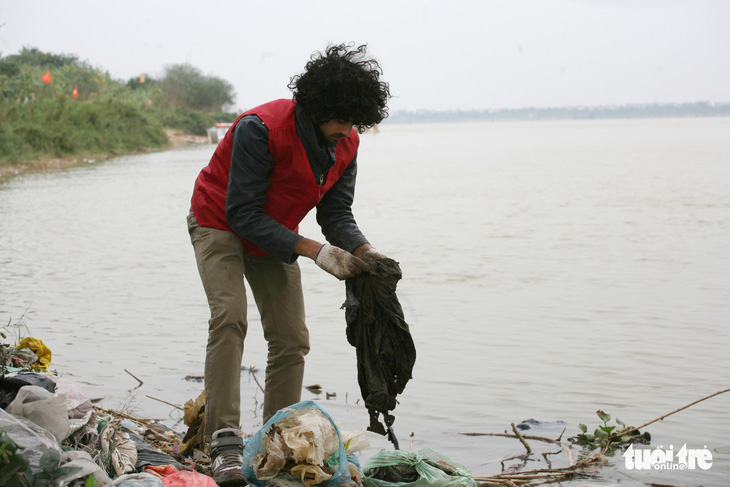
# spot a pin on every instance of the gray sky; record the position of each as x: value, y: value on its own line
x: 445, y: 54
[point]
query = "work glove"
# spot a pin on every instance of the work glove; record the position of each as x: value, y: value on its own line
x: 338, y: 262
x: 372, y: 253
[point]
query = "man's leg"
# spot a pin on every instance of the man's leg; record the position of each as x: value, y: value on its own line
x: 219, y: 255
x: 277, y: 289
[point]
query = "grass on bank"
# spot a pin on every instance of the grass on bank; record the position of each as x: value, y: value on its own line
x: 83, y: 111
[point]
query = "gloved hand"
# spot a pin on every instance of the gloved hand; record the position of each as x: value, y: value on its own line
x: 338, y: 262
x: 372, y: 253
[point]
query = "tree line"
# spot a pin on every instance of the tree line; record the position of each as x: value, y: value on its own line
x: 55, y: 105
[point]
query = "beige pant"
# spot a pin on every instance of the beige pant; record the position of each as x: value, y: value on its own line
x: 277, y: 289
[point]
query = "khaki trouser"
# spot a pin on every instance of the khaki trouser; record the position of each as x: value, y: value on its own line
x: 277, y: 289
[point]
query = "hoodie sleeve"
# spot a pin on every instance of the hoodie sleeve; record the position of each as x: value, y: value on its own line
x: 248, y: 180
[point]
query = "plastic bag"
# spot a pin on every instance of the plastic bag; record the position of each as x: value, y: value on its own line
x: 314, y: 439
x: 43, y: 408
x: 354, y: 441
x: 31, y: 439
x: 11, y: 384
x: 85, y: 465
x: 423, y: 468
x: 186, y: 478
x: 78, y: 405
x: 138, y: 480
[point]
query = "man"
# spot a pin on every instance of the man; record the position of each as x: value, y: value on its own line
x: 276, y: 163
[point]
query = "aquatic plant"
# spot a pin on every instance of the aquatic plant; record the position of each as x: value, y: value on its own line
x: 609, y: 438
x: 9, y: 354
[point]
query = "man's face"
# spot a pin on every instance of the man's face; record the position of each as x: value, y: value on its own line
x: 334, y: 130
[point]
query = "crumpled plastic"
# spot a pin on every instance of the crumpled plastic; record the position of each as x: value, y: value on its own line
x: 43, y: 408
x: 40, y: 349
x: 172, y: 477
x: 354, y: 441
x: 377, y: 329
x: 78, y: 405
x: 424, y: 468
x: 19, y: 359
x: 119, y: 447
x: 194, y: 419
x: 309, y: 474
x: 137, y: 480
x: 10, y: 385
x: 309, y: 435
x: 32, y: 440
x: 303, y: 434
x: 160, y: 471
x: 187, y: 478
x: 86, y: 466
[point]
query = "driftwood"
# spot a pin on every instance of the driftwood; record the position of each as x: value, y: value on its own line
x: 631, y: 429
x: 518, y: 478
x: 135, y: 377
x: 165, y: 402
x: 507, y: 435
x: 544, y: 474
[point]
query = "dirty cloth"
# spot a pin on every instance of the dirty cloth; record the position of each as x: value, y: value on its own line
x: 377, y: 329
x: 117, y: 445
x: 40, y: 349
x: 147, y: 454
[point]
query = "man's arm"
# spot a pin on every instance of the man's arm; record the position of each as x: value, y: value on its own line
x: 248, y: 180
x: 334, y: 214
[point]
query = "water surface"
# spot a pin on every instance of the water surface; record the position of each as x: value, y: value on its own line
x: 550, y: 269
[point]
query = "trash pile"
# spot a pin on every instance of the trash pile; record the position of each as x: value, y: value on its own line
x: 51, y: 434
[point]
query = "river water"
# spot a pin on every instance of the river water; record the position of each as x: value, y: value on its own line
x: 550, y: 269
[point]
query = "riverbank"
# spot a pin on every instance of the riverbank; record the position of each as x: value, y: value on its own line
x: 176, y: 139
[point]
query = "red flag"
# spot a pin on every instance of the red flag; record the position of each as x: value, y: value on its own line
x: 75, y: 94
x: 46, y: 77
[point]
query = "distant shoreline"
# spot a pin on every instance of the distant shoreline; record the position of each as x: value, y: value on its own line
x: 644, y: 110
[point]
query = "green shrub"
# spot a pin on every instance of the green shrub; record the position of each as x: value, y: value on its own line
x: 39, y: 120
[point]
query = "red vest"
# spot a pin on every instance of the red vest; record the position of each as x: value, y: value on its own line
x: 292, y: 191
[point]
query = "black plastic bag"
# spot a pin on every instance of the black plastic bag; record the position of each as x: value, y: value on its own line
x: 11, y: 384
x: 377, y: 329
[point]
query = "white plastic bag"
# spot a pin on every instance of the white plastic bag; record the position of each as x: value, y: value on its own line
x: 86, y: 467
x: 31, y: 439
x: 43, y: 408
x: 305, y: 431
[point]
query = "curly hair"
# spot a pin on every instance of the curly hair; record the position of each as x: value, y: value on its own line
x: 341, y: 84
